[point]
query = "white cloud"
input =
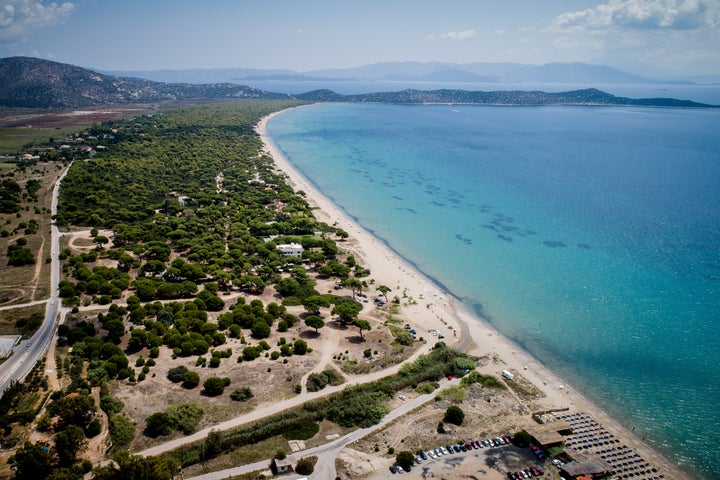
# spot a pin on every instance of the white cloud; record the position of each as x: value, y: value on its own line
x: 18, y: 18
x: 641, y: 14
x: 461, y: 35
x: 499, y: 31
x: 299, y: 31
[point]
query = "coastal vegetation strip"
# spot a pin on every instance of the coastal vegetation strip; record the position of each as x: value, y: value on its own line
x: 147, y: 282
x: 355, y: 406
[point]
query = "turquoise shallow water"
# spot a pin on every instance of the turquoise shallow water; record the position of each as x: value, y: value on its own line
x: 587, y: 235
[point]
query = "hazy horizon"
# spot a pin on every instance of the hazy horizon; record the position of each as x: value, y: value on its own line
x: 663, y: 39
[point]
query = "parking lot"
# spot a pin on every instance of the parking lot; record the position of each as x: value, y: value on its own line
x: 488, y: 461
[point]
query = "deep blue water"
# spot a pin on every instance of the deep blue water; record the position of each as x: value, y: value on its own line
x: 588, y: 235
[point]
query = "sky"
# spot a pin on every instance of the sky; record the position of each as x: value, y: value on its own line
x: 658, y: 38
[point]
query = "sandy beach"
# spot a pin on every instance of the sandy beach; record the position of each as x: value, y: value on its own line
x: 427, y: 308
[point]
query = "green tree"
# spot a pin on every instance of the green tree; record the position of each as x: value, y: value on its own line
x: 305, y: 466
x: 454, y: 415
x: 384, y: 290
x: 300, y: 347
x: 32, y: 462
x: 191, y: 380
x: 260, y: 329
x: 213, y: 386
x: 135, y: 467
x: 69, y: 443
x: 159, y: 423
x: 177, y: 374
x: 313, y: 303
x: 362, y: 325
x: 314, y: 321
x: 77, y: 410
x: 101, y: 240
x: 353, y: 284
x: 405, y: 459
x: 347, y: 311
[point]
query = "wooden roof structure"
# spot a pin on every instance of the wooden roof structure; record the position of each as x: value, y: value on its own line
x: 551, y: 433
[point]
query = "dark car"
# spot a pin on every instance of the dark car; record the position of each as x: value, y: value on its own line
x: 393, y: 470
x: 457, y: 448
x: 422, y: 455
x: 536, y: 471
x: 450, y: 449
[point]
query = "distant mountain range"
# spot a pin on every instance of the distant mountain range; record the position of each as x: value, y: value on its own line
x: 35, y: 83
x: 413, y: 72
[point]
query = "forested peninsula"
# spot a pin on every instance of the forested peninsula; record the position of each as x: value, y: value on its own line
x: 590, y: 96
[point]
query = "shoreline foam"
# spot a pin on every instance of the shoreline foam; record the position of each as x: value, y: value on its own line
x: 438, y: 309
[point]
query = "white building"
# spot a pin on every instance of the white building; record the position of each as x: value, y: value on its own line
x: 291, y: 250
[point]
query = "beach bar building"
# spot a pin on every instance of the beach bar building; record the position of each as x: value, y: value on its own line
x: 592, y: 468
x: 549, y: 434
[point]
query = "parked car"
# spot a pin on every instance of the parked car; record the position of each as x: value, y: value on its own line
x: 422, y: 455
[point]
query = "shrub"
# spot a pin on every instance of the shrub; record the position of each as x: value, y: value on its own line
x: 242, y: 394
x: 176, y: 374
x: 157, y: 424
x: 306, y: 466
x: 303, y: 430
x: 427, y: 387
x: 300, y: 347
x: 213, y: 386
x: 191, y: 380
x: 122, y: 430
x: 251, y: 353
x: 454, y: 415
x: 487, y: 381
x: 185, y: 416
x: 318, y: 381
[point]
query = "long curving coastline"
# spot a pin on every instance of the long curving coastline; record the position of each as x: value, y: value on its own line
x: 436, y: 309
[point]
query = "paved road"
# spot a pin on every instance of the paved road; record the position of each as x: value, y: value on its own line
x: 27, y: 353
x: 325, y: 467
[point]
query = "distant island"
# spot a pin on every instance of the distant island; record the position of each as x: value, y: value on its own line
x: 35, y: 83
x: 590, y: 96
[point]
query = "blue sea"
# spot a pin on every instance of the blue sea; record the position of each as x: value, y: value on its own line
x: 590, y: 236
